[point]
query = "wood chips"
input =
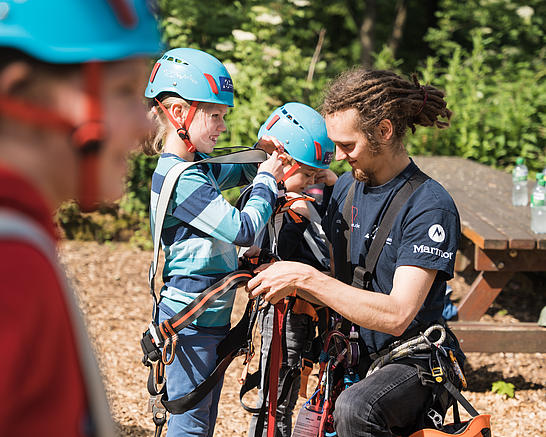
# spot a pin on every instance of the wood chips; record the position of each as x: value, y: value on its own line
x: 111, y: 281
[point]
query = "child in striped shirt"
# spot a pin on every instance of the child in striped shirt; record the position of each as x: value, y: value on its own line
x: 191, y: 92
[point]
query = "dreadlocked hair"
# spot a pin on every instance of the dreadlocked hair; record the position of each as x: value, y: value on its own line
x: 380, y: 94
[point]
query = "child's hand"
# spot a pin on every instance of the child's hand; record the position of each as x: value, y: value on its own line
x: 252, y: 251
x: 269, y: 144
x: 326, y: 176
x: 273, y: 165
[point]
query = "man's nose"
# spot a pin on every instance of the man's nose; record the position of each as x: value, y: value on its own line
x: 340, y: 154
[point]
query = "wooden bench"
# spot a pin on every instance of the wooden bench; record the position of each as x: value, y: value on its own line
x: 499, y: 243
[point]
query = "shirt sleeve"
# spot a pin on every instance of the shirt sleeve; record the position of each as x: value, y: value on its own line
x: 198, y: 202
x: 234, y: 175
x: 430, y: 240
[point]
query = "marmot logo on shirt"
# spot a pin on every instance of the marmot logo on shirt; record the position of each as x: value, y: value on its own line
x: 432, y: 250
x: 436, y: 233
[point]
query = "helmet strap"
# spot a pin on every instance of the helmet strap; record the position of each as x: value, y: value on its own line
x: 86, y: 138
x: 291, y: 171
x: 182, y: 131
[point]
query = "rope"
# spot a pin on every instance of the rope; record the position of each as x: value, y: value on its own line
x: 417, y: 344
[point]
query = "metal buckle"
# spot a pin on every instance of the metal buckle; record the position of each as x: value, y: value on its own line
x: 437, y: 374
x: 436, y: 418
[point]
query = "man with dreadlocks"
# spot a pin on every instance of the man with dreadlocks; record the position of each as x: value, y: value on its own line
x: 401, y: 293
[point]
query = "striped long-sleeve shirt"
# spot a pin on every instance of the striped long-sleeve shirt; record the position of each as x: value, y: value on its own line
x: 201, y: 229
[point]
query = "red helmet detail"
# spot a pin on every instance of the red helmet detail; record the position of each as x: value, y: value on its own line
x: 318, y: 150
x: 272, y: 122
x: 154, y: 71
x: 212, y: 83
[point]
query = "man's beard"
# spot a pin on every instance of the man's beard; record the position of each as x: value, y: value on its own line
x: 366, y: 176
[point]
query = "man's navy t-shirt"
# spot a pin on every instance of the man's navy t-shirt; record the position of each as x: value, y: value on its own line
x: 425, y: 233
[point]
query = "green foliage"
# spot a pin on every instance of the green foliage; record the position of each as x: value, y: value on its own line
x: 107, y: 224
x: 488, y: 56
x: 503, y: 388
x: 498, y: 112
x: 137, y: 197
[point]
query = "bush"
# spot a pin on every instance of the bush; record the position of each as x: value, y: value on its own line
x: 498, y: 113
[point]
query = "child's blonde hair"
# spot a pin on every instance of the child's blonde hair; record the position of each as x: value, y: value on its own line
x: 153, y: 144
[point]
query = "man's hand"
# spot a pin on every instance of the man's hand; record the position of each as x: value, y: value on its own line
x: 278, y: 280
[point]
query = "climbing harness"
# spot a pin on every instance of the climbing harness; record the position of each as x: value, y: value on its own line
x: 159, y: 341
x: 277, y: 356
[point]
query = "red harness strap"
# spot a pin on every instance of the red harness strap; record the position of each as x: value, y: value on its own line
x: 88, y: 138
x: 34, y: 115
x: 274, y: 367
x: 291, y: 171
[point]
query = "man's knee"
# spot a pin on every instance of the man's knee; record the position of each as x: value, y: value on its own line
x: 346, y: 411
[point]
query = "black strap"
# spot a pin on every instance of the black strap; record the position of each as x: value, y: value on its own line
x: 230, y: 347
x: 204, y: 300
x: 460, y: 398
x: 347, y: 268
x: 361, y: 277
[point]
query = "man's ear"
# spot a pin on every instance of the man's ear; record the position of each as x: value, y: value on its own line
x: 13, y: 76
x: 385, y: 129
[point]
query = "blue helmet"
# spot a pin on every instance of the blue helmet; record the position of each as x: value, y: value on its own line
x: 303, y: 132
x: 69, y: 32
x: 193, y: 75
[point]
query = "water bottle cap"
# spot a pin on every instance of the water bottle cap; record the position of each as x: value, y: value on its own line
x: 520, y: 161
x: 539, y: 177
x: 542, y: 183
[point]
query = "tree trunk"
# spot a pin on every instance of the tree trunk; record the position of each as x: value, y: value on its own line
x: 398, y: 27
x: 367, y: 34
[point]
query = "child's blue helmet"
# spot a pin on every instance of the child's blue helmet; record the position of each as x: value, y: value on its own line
x: 70, y: 32
x: 193, y: 75
x: 302, y: 130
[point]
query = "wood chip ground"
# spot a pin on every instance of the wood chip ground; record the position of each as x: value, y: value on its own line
x: 111, y: 281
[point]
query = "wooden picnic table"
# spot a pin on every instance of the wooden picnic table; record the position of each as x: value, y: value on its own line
x: 501, y: 243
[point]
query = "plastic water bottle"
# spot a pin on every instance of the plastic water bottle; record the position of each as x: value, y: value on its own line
x: 538, y: 177
x: 519, y: 183
x: 538, y: 208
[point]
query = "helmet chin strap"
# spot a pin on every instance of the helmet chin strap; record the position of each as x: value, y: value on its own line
x: 89, y: 138
x: 291, y: 171
x: 182, y: 131
x: 86, y: 138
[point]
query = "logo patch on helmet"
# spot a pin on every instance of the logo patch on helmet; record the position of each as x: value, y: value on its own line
x: 226, y: 84
x: 327, y: 158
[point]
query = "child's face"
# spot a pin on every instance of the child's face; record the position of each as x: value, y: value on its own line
x: 126, y: 122
x: 207, y: 126
x: 301, y: 179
